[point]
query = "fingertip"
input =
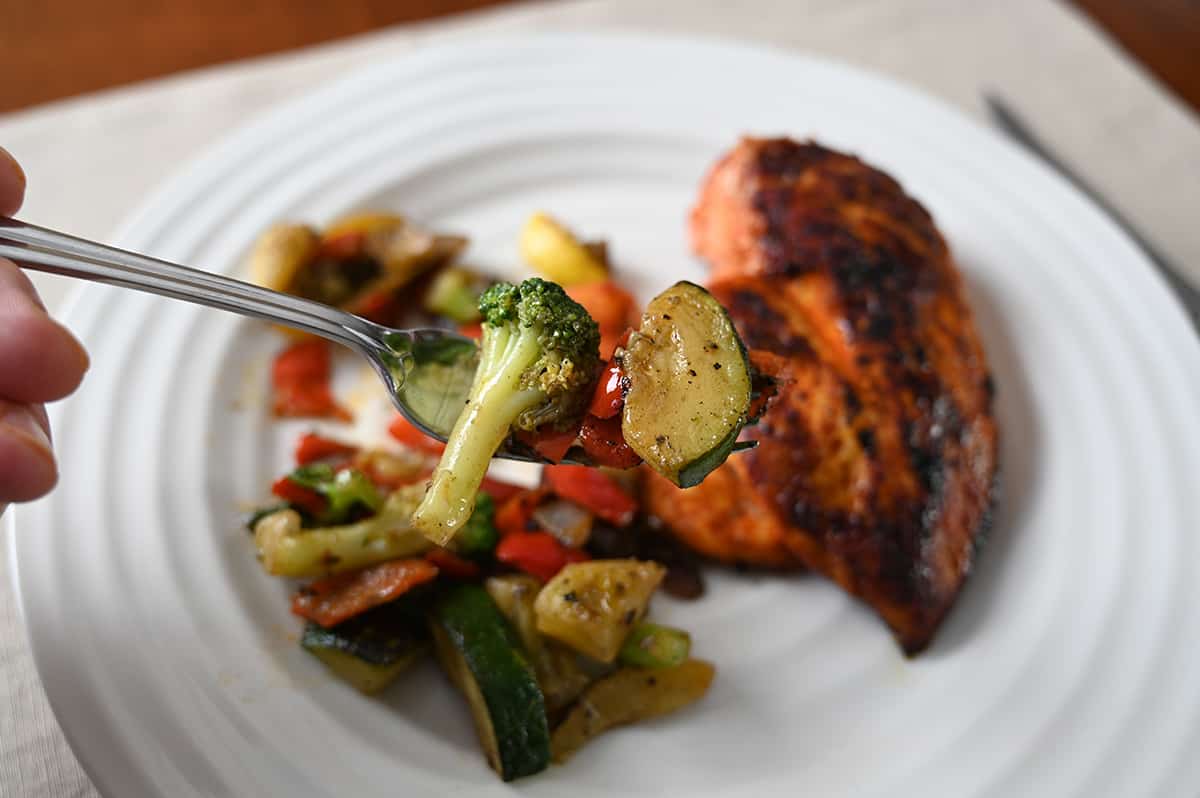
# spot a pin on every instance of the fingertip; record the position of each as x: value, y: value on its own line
x: 40, y: 360
x: 36, y: 351
x: 79, y: 361
x: 27, y: 466
x: 12, y: 183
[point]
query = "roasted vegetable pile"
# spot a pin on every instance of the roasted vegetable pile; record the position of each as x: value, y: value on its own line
x: 534, y: 601
x: 548, y: 645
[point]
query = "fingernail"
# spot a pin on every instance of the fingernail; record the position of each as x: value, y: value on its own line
x: 21, y: 422
x: 85, y: 360
x: 11, y: 163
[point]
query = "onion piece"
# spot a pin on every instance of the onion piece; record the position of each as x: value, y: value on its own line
x: 566, y: 521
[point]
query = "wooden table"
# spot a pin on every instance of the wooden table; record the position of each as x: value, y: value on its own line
x: 58, y: 48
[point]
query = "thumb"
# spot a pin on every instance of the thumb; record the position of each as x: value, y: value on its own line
x: 27, y: 468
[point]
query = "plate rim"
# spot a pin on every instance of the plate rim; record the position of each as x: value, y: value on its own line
x: 275, y: 112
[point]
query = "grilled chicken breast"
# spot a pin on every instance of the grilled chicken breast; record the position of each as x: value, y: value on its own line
x: 877, y: 457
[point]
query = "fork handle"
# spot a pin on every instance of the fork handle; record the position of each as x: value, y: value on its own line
x: 50, y: 251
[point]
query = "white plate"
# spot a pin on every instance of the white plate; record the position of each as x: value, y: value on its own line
x: 1070, y: 667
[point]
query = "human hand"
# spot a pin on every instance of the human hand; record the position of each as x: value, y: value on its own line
x: 40, y: 361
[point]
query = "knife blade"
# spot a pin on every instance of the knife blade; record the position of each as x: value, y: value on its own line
x: 1017, y: 129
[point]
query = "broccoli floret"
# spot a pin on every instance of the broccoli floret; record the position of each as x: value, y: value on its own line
x: 539, y: 357
x: 478, y: 537
x: 348, y: 492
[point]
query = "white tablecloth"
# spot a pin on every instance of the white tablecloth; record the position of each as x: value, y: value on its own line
x: 91, y: 160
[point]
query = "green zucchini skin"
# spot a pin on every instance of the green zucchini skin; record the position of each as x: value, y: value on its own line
x: 694, y: 472
x: 371, y: 650
x: 475, y: 642
x: 689, y: 385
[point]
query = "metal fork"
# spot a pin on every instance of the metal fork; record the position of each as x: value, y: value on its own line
x: 427, y: 372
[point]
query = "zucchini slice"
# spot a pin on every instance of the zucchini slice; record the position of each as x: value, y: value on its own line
x: 689, y: 385
x: 558, y: 671
x: 371, y: 650
x: 482, y: 656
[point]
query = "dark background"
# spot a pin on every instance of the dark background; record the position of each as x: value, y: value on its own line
x: 58, y: 48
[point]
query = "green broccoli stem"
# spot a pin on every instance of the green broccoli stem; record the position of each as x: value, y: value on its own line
x: 496, y: 399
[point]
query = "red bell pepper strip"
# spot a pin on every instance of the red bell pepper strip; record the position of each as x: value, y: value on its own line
x: 593, y: 490
x: 604, y: 443
x: 342, y: 246
x: 516, y: 514
x: 312, y: 447
x: 549, y: 443
x: 499, y: 491
x: 403, y: 430
x: 472, y: 330
x: 609, y: 396
x: 451, y: 564
x: 537, y: 553
x: 380, y: 307
x: 301, y: 375
x: 306, y: 499
x: 328, y: 602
